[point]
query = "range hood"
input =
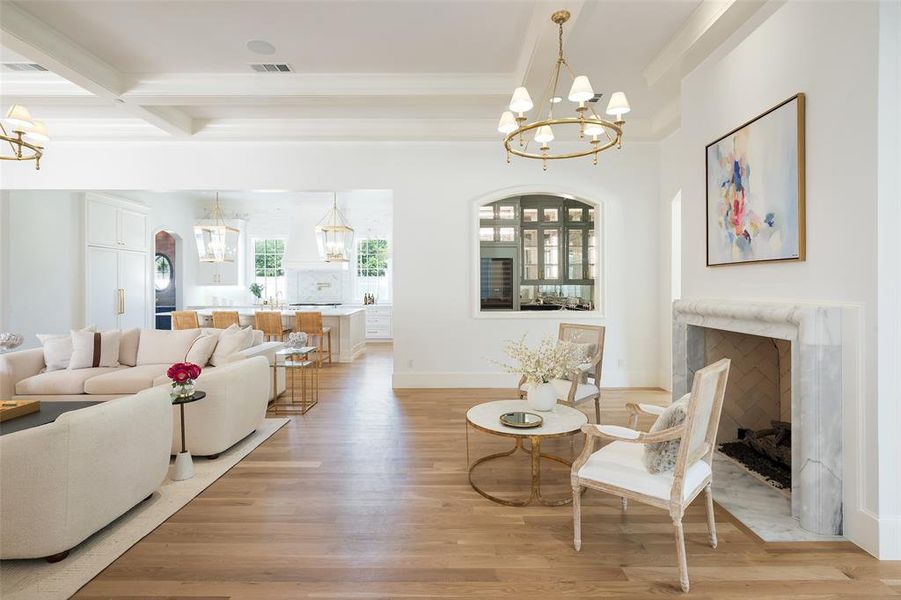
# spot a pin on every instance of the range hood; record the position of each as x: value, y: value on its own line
x: 301, y: 250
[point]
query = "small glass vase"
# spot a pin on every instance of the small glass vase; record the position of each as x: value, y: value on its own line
x: 182, y: 390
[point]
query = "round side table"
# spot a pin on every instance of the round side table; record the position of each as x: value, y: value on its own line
x: 562, y: 421
x: 184, y: 465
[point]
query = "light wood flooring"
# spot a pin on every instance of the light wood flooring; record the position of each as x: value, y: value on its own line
x: 366, y: 496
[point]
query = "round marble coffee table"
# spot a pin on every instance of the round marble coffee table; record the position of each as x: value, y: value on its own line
x: 563, y: 421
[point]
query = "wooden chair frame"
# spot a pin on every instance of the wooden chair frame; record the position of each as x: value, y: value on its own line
x: 272, y: 325
x: 581, y: 376
x: 304, y: 320
x: 676, y: 505
x: 185, y: 319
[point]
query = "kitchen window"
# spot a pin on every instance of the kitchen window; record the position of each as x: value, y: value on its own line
x: 268, y: 266
x: 373, y: 268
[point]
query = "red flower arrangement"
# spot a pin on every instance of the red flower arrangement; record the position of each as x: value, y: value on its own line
x: 183, y: 373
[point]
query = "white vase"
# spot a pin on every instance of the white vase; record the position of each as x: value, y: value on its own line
x: 541, y: 397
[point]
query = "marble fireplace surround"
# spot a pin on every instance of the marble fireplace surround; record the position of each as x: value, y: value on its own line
x: 815, y: 333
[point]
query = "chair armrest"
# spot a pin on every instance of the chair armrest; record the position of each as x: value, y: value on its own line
x: 615, y: 433
x: 644, y: 409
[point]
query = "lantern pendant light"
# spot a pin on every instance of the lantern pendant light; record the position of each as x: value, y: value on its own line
x: 216, y: 241
x: 334, y: 237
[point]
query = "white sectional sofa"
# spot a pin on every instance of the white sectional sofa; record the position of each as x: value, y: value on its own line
x: 23, y: 374
x: 66, y: 480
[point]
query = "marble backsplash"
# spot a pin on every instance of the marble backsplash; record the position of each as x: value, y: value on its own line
x: 315, y: 286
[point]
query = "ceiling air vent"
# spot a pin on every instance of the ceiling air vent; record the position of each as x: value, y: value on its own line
x: 23, y: 67
x: 271, y: 67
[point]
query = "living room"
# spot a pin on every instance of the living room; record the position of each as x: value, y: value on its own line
x: 353, y: 476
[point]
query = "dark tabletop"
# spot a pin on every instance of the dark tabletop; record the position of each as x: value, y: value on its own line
x: 198, y: 395
x: 47, y: 414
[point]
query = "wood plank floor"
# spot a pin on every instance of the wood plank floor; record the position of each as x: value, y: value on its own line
x: 366, y: 496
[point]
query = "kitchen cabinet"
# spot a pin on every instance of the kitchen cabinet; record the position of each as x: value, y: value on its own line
x: 117, y: 264
x: 378, y: 322
x: 115, y: 223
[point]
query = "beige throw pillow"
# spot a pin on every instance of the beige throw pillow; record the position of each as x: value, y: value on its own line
x: 232, y: 340
x: 165, y: 346
x: 202, y: 349
x: 128, y: 347
x: 91, y: 349
x: 661, y: 457
x: 57, y: 349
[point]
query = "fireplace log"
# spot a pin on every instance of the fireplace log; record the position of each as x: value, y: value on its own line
x: 774, y: 443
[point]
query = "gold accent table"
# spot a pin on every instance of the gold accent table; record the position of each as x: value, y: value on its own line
x: 297, y: 363
x: 563, y: 421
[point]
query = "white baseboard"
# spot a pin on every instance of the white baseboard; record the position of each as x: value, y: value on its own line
x: 889, y: 538
x: 446, y: 379
x: 861, y: 527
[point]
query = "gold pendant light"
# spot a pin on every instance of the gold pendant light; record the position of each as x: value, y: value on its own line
x: 596, y: 134
x: 216, y: 241
x: 334, y: 237
x: 28, y: 136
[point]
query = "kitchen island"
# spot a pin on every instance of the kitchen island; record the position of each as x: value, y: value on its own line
x: 348, y: 324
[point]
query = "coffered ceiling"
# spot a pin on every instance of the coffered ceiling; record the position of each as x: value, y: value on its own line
x: 385, y: 70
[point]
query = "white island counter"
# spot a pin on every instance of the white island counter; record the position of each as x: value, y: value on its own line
x: 348, y: 324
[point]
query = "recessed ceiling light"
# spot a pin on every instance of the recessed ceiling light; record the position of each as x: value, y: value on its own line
x: 261, y: 47
x: 556, y: 100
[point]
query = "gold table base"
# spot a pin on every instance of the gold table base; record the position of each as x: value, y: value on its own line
x: 536, y: 456
x: 309, y: 387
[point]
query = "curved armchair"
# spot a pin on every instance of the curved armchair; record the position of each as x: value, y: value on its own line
x: 618, y: 469
x: 577, y: 389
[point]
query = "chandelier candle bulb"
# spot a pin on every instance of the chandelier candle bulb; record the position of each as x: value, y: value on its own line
x: 544, y: 135
x: 26, y: 138
x: 618, y: 105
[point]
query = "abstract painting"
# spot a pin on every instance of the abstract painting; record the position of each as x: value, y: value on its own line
x: 755, y: 189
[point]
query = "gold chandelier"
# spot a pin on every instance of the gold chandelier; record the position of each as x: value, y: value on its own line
x: 217, y: 242
x: 28, y: 136
x: 600, y: 134
x: 334, y: 237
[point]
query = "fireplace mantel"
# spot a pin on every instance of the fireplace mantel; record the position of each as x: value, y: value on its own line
x: 815, y: 333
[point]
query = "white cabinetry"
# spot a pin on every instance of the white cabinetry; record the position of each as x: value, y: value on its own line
x: 117, y: 263
x: 378, y: 322
x: 113, y: 223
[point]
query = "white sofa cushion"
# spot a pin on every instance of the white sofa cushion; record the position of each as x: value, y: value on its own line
x: 57, y: 348
x: 258, y: 336
x: 165, y: 346
x: 125, y: 381
x: 128, y: 346
x: 202, y: 349
x: 61, y: 382
x: 94, y: 349
x: 620, y: 464
x: 231, y: 341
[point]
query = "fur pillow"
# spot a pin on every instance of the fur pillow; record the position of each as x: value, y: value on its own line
x: 661, y: 457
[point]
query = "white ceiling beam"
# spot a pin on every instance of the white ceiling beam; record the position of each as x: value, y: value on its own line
x: 707, y: 27
x: 24, y: 34
x: 539, y: 49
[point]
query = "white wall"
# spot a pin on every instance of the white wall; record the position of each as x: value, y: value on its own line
x: 437, y: 340
x: 672, y: 153
x: 829, y: 52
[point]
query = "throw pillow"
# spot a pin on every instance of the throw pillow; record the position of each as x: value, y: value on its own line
x: 94, y: 349
x: 165, y: 346
x: 128, y: 347
x: 661, y: 457
x: 57, y: 349
x: 202, y: 349
x: 232, y: 340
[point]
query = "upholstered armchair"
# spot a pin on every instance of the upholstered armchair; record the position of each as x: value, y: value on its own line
x: 576, y: 389
x: 618, y: 468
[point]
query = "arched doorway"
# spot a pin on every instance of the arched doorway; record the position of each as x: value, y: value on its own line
x: 165, y: 276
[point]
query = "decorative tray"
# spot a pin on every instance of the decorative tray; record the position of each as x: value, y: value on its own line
x: 521, y: 420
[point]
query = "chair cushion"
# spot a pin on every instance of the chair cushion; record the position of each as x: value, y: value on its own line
x: 561, y: 387
x: 61, y: 381
x: 125, y: 381
x: 163, y: 346
x: 620, y: 464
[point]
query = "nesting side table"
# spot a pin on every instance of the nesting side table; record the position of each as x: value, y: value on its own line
x: 301, y: 371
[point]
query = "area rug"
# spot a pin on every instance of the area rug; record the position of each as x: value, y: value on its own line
x: 36, y: 579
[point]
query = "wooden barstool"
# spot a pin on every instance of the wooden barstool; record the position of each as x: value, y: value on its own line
x: 222, y: 319
x: 185, y: 319
x: 271, y: 324
x: 311, y: 324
